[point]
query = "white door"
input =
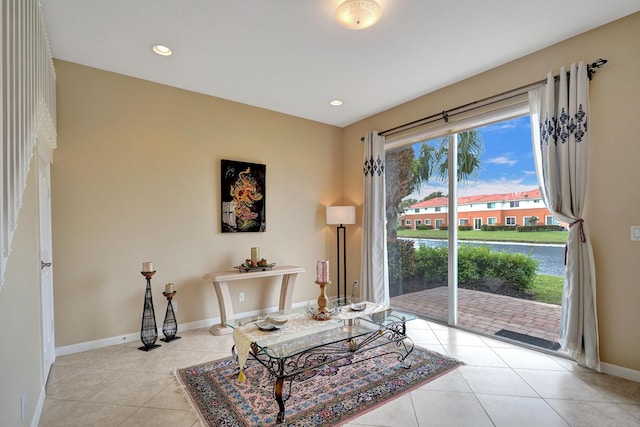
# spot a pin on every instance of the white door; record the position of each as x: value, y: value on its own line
x: 46, y: 260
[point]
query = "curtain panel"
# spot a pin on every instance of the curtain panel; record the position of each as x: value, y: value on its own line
x: 374, y: 266
x: 560, y: 138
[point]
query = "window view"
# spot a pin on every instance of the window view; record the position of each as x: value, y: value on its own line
x: 510, y: 249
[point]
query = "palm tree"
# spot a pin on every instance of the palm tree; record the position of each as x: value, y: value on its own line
x: 407, y: 173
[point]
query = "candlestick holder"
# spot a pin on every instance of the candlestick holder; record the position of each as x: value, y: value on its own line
x: 149, y: 330
x: 323, y: 312
x: 170, y: 325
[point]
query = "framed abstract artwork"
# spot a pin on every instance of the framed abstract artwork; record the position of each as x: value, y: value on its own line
x: 243, y: 196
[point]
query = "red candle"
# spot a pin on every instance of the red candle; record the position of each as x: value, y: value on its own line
x: 322, y: 271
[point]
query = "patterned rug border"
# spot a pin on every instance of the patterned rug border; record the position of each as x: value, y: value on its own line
x: 452, y: 364
x: 186, y: 395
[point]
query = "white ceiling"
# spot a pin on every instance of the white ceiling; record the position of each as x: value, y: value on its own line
x: 292, y: 56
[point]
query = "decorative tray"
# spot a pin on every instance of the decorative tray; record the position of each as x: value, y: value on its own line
x: 245, y: 267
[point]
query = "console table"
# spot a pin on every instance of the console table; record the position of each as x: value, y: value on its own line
x: 220, y: 284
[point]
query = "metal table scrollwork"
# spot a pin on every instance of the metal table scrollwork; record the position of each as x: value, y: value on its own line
x: 346, y: 340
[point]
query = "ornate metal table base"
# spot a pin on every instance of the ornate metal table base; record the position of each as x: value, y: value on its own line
x: 343, y: 352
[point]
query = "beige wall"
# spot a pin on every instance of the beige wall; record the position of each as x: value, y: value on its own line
x: 20, y: 351
x: 136, y: 178
x: 613, y: 202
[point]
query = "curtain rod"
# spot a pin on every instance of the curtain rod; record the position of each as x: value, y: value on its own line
x: 591, y: 70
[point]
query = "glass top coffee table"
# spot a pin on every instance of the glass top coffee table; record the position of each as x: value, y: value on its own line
x: 293, y: 345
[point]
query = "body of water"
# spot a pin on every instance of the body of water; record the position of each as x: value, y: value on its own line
x: 551, y: 257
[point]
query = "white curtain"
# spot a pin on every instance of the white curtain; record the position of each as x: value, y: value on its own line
x: 559, y: 127
x: 373, y: 268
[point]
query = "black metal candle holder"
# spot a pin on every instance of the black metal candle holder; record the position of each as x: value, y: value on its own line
x: 170, y: 326
x: 149, y: 330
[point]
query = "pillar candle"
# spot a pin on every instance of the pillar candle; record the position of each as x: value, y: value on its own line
x: 322, y: 271
x: 147, y: 267
x: 168, y: 288
x: 255, y: 254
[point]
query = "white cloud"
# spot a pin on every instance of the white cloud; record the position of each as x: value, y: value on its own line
x: 521, y: 122
x: 502, y: 160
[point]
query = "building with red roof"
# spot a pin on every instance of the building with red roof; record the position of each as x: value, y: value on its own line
x: 510, y: 209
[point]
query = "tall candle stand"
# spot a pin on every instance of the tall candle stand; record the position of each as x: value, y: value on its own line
x: 323, y: 312
x: 170, y: 326
x: 149, y: 331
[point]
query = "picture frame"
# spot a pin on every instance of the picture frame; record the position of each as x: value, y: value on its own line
x: 243, y: 194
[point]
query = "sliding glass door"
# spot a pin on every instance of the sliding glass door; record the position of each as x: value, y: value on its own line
x: 470, y: 241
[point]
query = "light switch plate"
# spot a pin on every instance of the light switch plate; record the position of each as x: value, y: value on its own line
x: 635, y: 233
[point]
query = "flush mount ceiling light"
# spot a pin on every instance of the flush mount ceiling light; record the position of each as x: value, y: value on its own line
x: 358, y: 14
x: 162, y: 50
x: 335, y: 102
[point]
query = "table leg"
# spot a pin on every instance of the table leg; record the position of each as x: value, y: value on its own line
x: 277, y: 391
x: 226, y: 309
x: 286, y: 291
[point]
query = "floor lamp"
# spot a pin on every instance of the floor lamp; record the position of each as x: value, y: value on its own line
x: 341, y: 215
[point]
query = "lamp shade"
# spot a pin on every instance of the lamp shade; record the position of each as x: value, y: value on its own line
x: 341, y: 215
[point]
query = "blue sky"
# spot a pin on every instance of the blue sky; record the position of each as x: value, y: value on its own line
x: 507, y: 162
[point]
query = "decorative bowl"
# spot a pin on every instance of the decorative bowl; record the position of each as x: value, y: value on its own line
x: 358, y: 307
x: 314, y: 313
x: 267, y: 326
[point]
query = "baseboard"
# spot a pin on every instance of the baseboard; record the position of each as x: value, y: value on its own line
x: 135, y: 336
x: 620, y: 371
x: 120, y: 339
x: 39, y: 406
x: 607, y: 368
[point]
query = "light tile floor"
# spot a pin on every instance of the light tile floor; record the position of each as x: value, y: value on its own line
x: 500, y: 385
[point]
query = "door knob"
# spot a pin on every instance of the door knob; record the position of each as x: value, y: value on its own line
x: 44, y: 264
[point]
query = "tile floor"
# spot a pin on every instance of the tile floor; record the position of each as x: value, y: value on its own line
x: 500, y: 385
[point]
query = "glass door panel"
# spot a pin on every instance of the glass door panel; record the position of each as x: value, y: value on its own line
x: 416, y: 236
x: 509, y: 248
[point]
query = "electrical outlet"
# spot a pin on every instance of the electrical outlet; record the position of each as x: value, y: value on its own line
x: 174, y: 304
x: 241, y: 296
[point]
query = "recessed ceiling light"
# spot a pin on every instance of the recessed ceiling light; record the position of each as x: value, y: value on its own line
x: 162, y: 50
x: 335, y: 102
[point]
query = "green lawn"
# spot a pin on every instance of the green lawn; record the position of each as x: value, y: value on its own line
x: 548, y: 289
x: 559, y: 237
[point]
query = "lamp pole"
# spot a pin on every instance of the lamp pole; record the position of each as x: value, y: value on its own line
x: 344, y: 258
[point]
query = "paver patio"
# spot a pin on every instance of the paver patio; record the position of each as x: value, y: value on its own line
x: 485, y: 312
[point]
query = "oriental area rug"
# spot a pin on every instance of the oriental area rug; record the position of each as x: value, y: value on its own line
x: 330, y: 398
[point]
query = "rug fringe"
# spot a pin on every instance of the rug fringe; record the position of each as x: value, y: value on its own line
x: 187, y: 397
